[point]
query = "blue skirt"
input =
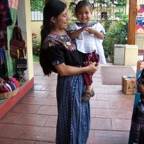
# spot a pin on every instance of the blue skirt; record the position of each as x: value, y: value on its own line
x: 73, y: 123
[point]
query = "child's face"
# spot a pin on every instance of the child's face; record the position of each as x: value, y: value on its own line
x: 84, y: 14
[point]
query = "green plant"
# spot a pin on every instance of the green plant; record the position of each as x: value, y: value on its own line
x: 37, y: 5
x: 107, y: 24
x: 35, y: 58
x: 116, y: 34
x: 35, y: 44
x: 110, y: 2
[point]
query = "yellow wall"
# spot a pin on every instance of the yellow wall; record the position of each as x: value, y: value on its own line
x: 36, y: 27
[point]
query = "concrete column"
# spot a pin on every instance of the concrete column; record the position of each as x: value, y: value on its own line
x: 131, y: 54
x: 132, y: 21
x: 24, y: 22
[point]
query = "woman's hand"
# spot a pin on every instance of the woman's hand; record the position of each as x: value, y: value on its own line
x: 92, y: 68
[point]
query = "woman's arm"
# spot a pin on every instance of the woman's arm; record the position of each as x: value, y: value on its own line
x: 66, y: 70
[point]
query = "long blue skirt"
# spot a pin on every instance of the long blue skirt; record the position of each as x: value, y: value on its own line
x: 73, y: 123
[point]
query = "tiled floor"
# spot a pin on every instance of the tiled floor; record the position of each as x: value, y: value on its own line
x: 33, y: 119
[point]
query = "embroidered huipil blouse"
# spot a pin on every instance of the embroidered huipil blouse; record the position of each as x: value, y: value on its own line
x: 61, y: 49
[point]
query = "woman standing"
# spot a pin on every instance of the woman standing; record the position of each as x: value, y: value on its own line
x: 59, y: 54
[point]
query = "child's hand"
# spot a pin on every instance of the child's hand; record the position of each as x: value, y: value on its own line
x: 83, y: 28
x: 95, y: 32
x: 90, y: 30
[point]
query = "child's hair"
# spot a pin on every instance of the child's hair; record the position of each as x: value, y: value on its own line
x: 81, y: 4
x: 53, y: 8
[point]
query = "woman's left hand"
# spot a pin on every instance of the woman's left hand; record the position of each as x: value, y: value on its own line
x: 93, y: 67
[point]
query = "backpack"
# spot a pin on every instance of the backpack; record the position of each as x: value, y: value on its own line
x: 17, y: 43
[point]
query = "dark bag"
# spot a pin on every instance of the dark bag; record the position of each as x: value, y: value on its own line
x: 2, y: 56
x: 21, y: 62
x: 3, y: 71
x: 16, y: 42
x: 2, y: 64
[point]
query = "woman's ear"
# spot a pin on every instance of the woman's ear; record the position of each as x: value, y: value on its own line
x: 52, y: 19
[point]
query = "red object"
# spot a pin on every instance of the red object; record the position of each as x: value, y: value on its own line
x: 3, y: 89
x: 17, y: 84
x: 93, y: 57
x: 9, y: 103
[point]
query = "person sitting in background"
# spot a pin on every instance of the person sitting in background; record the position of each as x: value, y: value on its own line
x: 138, y: 114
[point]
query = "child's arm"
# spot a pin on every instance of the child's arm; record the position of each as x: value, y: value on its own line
x: 96, y: 33
x: 76, y: 33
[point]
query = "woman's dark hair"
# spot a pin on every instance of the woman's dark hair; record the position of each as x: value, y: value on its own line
x: 81, y: 4
x: 53, y: 8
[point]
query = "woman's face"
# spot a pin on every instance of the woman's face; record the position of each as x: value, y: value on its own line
x: 84, y: 14
x: 61, y: 22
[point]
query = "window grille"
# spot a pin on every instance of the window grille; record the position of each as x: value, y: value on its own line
x: 36, y: 16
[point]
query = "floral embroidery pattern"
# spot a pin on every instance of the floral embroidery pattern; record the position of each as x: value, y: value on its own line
x: 65, y: 40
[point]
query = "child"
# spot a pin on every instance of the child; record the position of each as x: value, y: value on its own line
x: 89, y: 37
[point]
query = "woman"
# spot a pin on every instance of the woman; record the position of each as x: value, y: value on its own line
x: 59, y: 54
x: 137, y: 125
